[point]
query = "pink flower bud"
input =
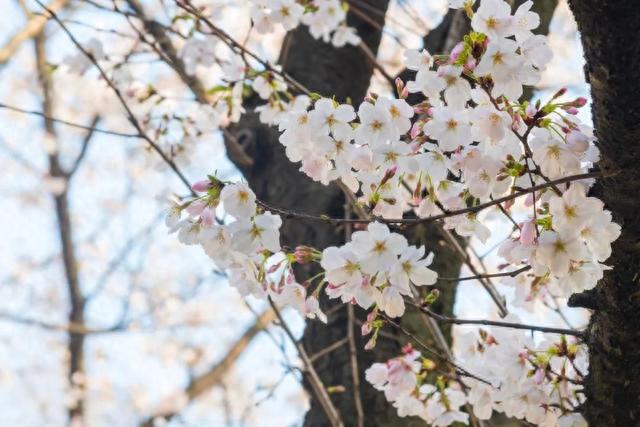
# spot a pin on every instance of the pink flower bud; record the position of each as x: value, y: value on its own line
x: 471, y: 64
x: 528, y: 233
x: 580, y: 101
x: 455, y: 52
x: 390, y: 173
x: 370, y: 345
x: 366, y: 329
x: 196, y: 207
x: 407, y: 348
x: 399, y: 84
x: 577, y: 141
x: 559, y: 93
x: 531, y: 110
x: 415, y: 130
x: 202, y: 186
x: 303, y: 254
x: 515, y: 122
x: 538, y: 377
x: 405, y: 93
x: 208, y: 216
x: 572, y: 110
x: 528, y: 201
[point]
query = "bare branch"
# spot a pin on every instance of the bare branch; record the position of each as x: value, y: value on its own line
x: 203, y: 383
x: 67, y: 123
x: 500, y: 324
x: 311, y: 374
x: 35, y: 25
x: 83, y: 150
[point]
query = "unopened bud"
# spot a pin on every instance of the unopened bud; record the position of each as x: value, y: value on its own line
x: 390, y: 173
x: 303, y: 254
x: 455, y: 52
x: 577, y: 141
x: 528, y: 233
x: 399, y: 86
x: 559, y: 93
x: 471, y: 64
x: 202, y: 186
x: 530, y: 111
x: 572, y: 110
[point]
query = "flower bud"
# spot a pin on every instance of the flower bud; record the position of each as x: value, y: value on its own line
x: 303, y: 254
x: 577, y: 141
x: 580, y: 101
x: 202, y: 186
x: 559, y: 93
x: 528, y: 201
x: 530, y: 111
x: 390, y: 173
x: 528, y: 233
x: 208, y: 216
x: 196, y: 207
x: 416, y: 129
x: 471, y: 64
x: 399, y: 85
x: 455, y: 52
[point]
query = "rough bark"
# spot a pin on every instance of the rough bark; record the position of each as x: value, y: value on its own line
x: 609, y: 30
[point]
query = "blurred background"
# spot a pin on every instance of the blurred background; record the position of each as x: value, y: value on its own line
x: 92, y: 283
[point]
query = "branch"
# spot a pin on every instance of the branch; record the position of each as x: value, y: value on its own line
x: 203, y: 383
x: 132, y: 118
x: 447, y: 214
x: 311, y: 374
x: 72, y: 327
x: 65, y: 231
x: 513, y: 273
x: 169, y: 54
x: 355, y: 372
x: 456, y: 321
x: 67, y: 123
x: 34, y: 26
x: 83, y: 150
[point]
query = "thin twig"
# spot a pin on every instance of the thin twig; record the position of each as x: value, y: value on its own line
x: 313, y: 377
x: 68, y: 123
x: 448, y: 214
x: 524, y: 326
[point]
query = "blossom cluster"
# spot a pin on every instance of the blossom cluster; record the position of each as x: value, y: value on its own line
x: 376, y: 267
x: 326, y: 19
x: 471, y: 132
x: 469, y: 141
x: 567, y: 255
x: 536, y: 382
x: 246, y: 248
x: 404, y: 382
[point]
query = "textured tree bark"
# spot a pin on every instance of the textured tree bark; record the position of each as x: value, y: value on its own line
x: 609, y: 31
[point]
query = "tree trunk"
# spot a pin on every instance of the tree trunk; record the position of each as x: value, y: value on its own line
x: 609, y: 31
